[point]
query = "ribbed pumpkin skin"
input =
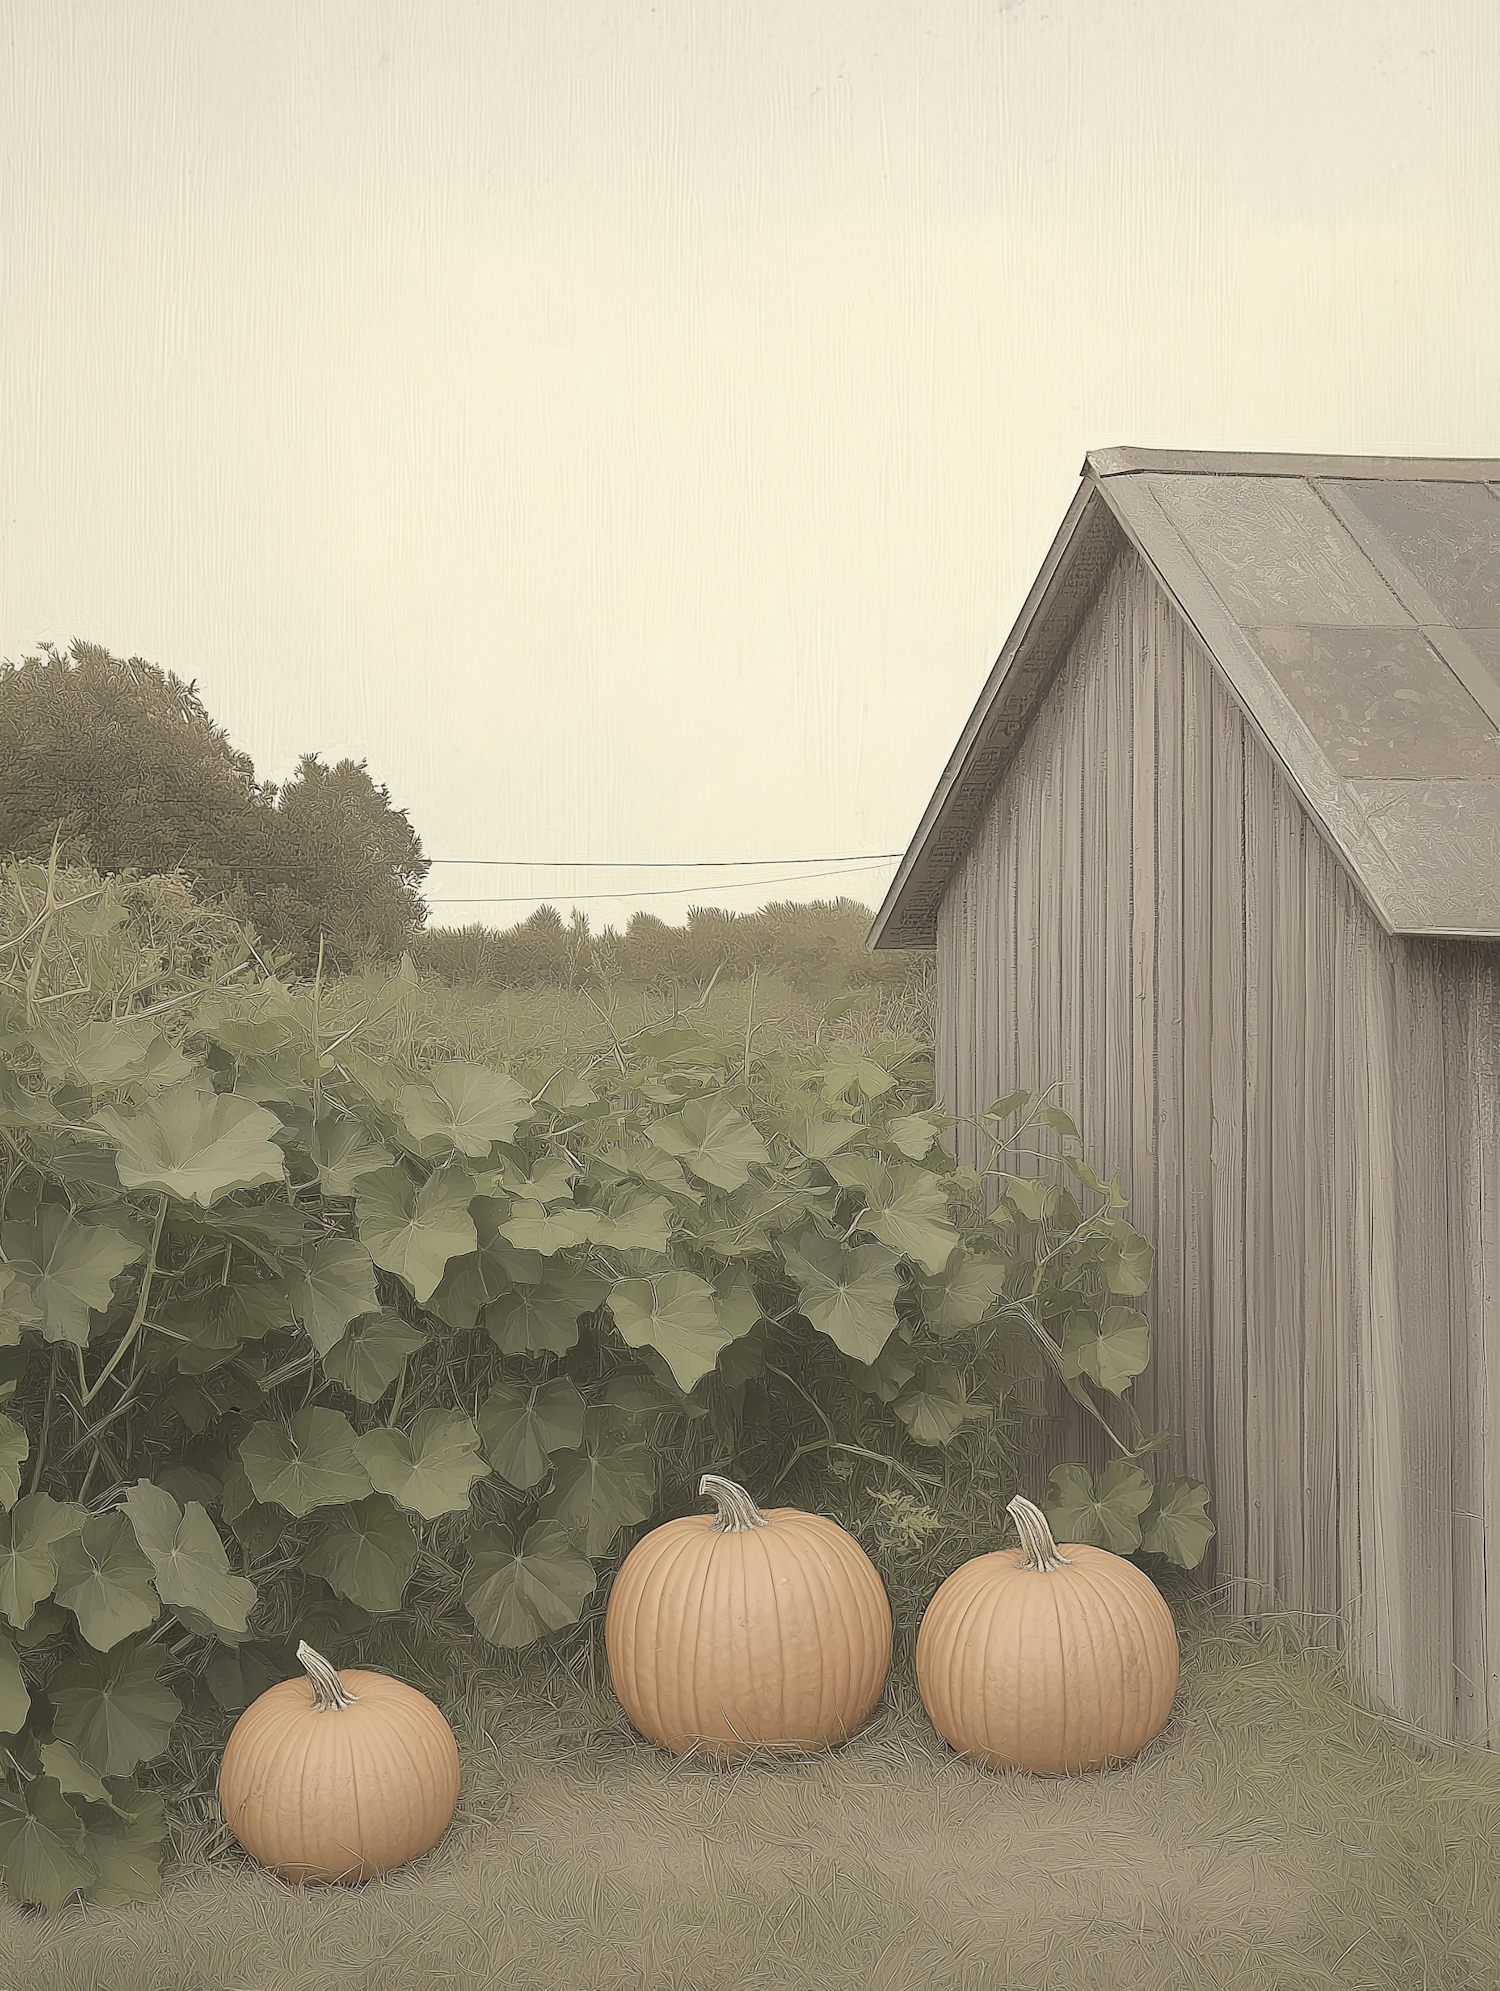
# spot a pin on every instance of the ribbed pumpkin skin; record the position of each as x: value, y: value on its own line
x: 778, y: 1636
x: 1057, y: 1670
x: 339, y: 1794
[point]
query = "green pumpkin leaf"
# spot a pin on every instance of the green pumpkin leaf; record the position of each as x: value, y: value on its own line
x: 105, y: 1581
x: 366, y: 1553
x: 28, y: 1566
x: 636, y: 1221
x: 544, y: 1317
x: 1109, y: 1518
x: 934, y: 1405
x: 429, y: 1469
x: 963, y: 1293
x: 15, y: 1701
x: 126, y: 1849
x: 845, y: 1072
x: 344, y: 1154
x: 906, y: 1209
x: 677, y: 1315
x: 370, y: 1355
x: 818, y: 1138
x: 1033, y: 1201
x: 18, y: 1304
x: 566, y: 1092
x: 550, y: 1181
x: 466, y: 1104
x: 15, y: 1448
x: 41, y: 1846
x: 337, y: 1286
x: 517, y: 1595
x: 189, y: 1562
x: 1058, y: 1120
x: 913, y: 1135
x: 414, y: 1232
x: 534, y: 1228
x: 521, y: 1427
x: 255, y: 1527
x: 76, y: 1266
x: 1111, y: 1348
x: 1177, y: 1525
x: 114, y: 1711
x: 315, y: 1464
x: 74, y: 1777
x: 888, y: 1377
x: 1127, y: 1259
x: 712, y: 1139
x: 1090, y: 1180
x: 238, y: 1675
x: 848, y: 1295
x: 601, y: 1488
x: 470, y: 1282
x: 196, y: 1145
x: 641, y: 1161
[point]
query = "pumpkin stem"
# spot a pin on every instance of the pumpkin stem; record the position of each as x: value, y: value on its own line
x: 329, y: 1690
x: 1036, y: 1537
x: 737, y: 1510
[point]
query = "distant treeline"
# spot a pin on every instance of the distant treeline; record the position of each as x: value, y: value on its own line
x: 119, y: 763
x: 817, y: 949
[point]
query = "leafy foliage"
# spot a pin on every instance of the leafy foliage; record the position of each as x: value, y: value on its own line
x: 290, y: 1336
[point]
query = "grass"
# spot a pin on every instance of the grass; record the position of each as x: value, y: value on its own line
x: 1281, y: 1832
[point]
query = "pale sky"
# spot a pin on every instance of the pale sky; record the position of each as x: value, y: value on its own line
x: 633, y: 428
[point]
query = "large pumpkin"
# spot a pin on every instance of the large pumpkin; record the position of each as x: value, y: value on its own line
x: 741, y: 1629
x: 337, y: 1777
x: 1046, y: 1658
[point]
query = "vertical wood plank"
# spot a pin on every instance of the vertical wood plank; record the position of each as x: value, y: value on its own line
x: 1227, y: 999
x: 1168, y: 1406
x: 1383, y: 1545
x: 1148, y: 803
x: 1423, y: 1468
x: 1192, y: 1385
x: 1260, y: 1325
x: 1324, y: 1412
x: 1285, y: 1215
x: 1458, y: 995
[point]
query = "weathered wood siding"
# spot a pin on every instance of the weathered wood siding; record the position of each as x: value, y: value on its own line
x: 1305, y: 1115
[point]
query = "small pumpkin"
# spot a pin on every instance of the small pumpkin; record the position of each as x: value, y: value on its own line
x: 1045, y: 1658
x: 338, y: 1776
x: 743, y: 1629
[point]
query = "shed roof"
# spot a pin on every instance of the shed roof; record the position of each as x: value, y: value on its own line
x: 1352, y: 604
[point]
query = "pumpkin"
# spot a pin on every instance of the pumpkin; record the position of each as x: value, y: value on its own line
x: 337, y: 1777
x: 1046, y: 1658
x: 744, y: 1629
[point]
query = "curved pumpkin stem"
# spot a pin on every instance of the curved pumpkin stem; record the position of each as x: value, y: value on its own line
x: 329, y: 1691
x: 1036, y: 1537
x: 737, y: 1510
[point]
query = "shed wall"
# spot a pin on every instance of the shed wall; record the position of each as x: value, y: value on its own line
x: 1303, y: 1112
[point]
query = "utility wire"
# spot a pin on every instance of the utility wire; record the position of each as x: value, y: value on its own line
x: 663, y: 863
x: 576, y: 898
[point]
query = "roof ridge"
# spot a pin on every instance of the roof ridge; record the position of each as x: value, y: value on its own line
x: 1126, y: 460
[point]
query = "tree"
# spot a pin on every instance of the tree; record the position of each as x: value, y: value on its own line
x: 124, y: 758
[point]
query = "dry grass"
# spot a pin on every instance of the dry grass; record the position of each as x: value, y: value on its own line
x: 1280, y: 1833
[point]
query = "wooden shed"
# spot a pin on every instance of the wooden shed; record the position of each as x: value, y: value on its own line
x: 1219, y: 849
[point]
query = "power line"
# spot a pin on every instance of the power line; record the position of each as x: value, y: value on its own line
x: 576, y: 898
x: 665, y: 864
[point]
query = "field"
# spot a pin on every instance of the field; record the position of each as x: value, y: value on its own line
x: 1284, y: 1831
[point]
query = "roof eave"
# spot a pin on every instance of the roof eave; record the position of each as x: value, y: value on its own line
x: 1048, y: 618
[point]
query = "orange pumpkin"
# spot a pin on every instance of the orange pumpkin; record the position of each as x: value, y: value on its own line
x: 744, y: 1629
x: 337, y: 1777
x: 1046, y: 1658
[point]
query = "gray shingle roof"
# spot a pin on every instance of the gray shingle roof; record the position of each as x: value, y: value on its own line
x: 1353, y: 606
